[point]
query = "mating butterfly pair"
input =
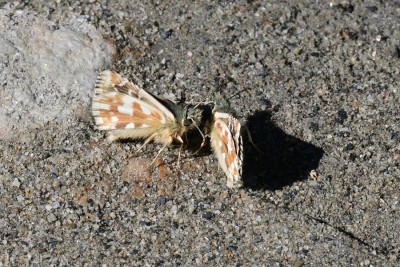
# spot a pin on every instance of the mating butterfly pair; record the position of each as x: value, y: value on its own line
x: 130, y: 112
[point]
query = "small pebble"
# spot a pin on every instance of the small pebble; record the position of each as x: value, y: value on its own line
x: 16, y: 183
x: 51, y: 218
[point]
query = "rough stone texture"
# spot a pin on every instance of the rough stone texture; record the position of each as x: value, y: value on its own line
x: 316, y: 84
x: 47, y: 69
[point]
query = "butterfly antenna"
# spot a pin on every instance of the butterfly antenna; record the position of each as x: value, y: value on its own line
x: 183, y: 97
x: 238, y: 93
x: 251, y: 141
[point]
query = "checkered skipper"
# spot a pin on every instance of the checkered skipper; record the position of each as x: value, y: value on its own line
x: 130, y: 112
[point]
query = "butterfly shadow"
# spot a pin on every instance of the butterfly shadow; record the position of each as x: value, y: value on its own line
x: 282, y: 160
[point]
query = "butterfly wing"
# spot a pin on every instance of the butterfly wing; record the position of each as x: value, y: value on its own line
x: 228, y: 147
x: 110, y: 81
x: 127, y: 110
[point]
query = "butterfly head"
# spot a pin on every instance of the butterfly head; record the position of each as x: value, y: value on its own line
x: 222, y: 104
x: 191, y: 116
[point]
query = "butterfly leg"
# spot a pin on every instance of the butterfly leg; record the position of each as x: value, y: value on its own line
x: 148, y: 140
x: 204, y: 139
x: 251, y: 141
x: 179, y: 155
x: 170, y: 140
x: 183, y: 143
x: 202, y: 143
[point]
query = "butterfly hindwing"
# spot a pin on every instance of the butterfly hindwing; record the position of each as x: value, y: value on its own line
x: 227, y: 144
x: 112, y: 81
x: 130, y: 112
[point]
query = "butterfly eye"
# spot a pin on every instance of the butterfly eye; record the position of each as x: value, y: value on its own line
x: 187, y: 122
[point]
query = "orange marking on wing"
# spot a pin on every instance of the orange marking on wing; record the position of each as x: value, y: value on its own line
x: 229, y: 157
x: 116, y: 78
x: 138, y: 113
x: 227, y: 140
x: 235, y: 171
x: 112, y: 116
x: 156, y: 115
x: 124, y: 86
x: 137, y: 110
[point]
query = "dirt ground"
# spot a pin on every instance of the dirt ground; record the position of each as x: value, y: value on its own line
x: 315, y: 82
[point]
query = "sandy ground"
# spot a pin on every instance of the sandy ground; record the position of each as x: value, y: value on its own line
x: 317, y: 85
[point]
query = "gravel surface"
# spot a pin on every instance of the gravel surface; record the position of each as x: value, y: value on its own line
x: 317, y: 85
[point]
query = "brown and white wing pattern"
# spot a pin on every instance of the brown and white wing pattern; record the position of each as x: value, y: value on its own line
x: 227, y: 144
x: 129, y: 111
x: 110, y: 81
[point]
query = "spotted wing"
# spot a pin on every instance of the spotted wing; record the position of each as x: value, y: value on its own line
x: 121, y: 105
x: 228, y: 147
x: 110, y: 81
